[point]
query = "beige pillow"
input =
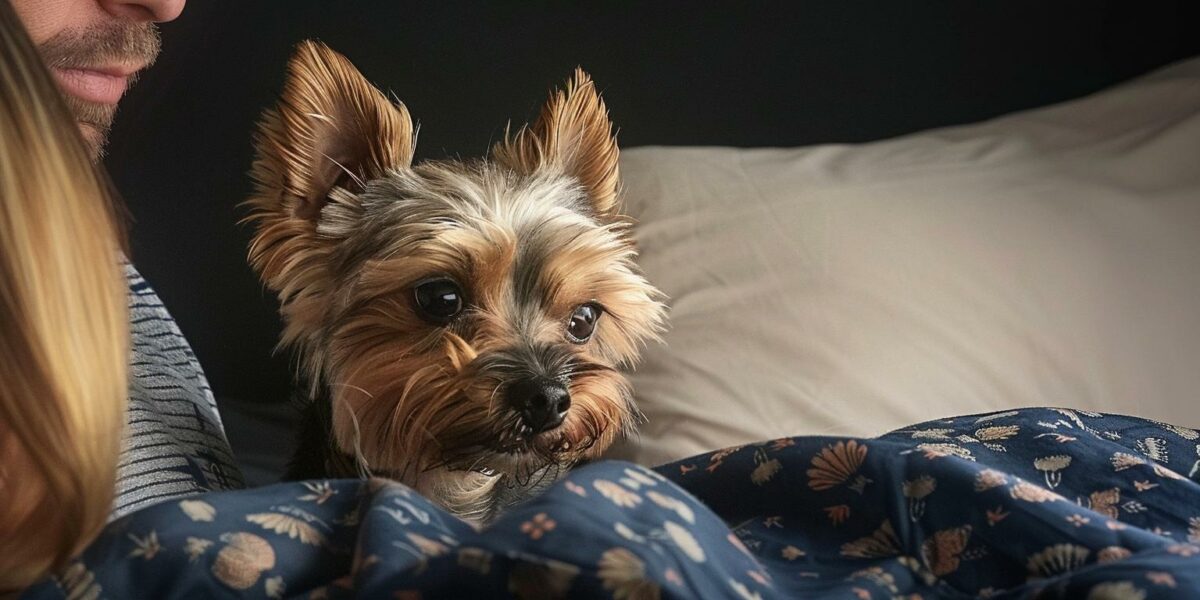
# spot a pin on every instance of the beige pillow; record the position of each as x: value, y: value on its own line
x: 1046, y: 258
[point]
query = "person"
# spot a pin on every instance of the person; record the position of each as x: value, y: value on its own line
x: 63, y: 325
x: 175, y: 443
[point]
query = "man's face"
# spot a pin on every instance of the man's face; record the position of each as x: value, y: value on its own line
x: 95, y: 49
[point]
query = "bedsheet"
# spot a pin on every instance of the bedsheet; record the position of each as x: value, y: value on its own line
x: 1046, y: 503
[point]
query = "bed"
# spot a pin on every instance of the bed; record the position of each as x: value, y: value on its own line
x: 1045, y: 503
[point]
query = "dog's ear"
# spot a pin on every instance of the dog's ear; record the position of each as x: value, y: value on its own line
x: 331, y: 132
x: 573, y: 135
x: 331, y: 129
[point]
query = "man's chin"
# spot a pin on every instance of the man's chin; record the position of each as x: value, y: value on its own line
x: 94, y: 137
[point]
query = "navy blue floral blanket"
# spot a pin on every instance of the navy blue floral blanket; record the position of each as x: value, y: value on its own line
x: 1045, y: 503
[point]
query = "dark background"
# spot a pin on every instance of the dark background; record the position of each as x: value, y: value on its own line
x: 678, y: 73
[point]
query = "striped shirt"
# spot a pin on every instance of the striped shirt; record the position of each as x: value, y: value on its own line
x: 175, y: 444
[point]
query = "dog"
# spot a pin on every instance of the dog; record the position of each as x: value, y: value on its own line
x: 462, y: 325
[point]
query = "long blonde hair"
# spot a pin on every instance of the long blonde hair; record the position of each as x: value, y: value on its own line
x: 64, y: 336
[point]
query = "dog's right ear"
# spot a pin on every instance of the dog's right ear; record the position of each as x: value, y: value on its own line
x: 331, y: 129
x: 331, y: 132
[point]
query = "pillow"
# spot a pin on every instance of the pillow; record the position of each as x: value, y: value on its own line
x: 1045, y: 258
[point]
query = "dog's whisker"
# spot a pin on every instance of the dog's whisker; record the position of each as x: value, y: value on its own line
x: 364, y: 468
x: 492, y: 396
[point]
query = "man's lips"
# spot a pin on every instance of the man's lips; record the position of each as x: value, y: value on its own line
x: 99, y: 85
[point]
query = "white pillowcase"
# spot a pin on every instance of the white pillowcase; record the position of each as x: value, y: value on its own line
x: 1045, y: 258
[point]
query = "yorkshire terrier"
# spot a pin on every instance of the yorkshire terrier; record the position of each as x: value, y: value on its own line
x: 462, y: 325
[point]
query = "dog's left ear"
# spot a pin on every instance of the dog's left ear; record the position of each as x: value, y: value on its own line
x: 573, y: 135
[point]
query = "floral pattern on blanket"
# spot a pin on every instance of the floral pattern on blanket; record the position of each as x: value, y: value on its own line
x: 1048, y: 503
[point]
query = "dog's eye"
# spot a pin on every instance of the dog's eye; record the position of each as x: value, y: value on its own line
x: 438, y: 300
x: 583, y: 323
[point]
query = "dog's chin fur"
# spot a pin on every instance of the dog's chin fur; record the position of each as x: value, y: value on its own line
x: 477, y: 489
x: 346, y: 227
x: 480, y: 498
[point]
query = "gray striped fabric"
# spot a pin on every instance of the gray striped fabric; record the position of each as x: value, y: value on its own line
x: 175, y: 445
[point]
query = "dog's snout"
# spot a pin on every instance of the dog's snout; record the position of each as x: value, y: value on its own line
x: 542, y: 402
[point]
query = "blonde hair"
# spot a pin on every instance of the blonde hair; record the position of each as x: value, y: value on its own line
x: 64, y: 336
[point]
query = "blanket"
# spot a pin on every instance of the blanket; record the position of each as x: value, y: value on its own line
x: 1045, y: 503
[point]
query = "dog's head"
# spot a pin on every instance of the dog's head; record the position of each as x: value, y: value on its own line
x: 462, y: 315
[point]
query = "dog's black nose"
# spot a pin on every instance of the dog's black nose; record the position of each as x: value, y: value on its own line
x: 542, y: 402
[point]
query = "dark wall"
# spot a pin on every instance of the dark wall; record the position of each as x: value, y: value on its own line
x: 732, y: 73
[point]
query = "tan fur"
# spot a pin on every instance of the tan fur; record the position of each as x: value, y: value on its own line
x: 330, y: 122
x: 530, y: 237
x: 297, y: 170
x: 572, y: 136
